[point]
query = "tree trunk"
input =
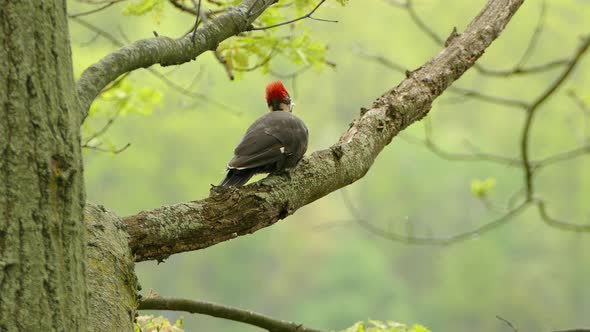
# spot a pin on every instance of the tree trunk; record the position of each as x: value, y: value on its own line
x: 112, y: 284
x: 42, y: 242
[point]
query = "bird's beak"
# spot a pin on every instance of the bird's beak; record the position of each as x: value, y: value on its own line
x: 291, y: 107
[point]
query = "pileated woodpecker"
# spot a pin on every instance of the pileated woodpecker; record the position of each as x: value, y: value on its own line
x: 275, y: 142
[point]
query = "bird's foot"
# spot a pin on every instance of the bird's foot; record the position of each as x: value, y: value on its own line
x: 284, y: 173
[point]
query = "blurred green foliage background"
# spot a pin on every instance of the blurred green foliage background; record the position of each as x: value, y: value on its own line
x: 319, y: 267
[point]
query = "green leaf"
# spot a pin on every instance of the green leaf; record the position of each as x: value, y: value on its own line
x: 419, y: 328
x: 389, y: 326
x: 160, y: 323
x: 481, y: 189
x: 142, y: 7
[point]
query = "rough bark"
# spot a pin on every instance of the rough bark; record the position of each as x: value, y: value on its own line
x: 42, y: 248
x: 228, y: 213
x: 167, y: 51
x: 112, y: 284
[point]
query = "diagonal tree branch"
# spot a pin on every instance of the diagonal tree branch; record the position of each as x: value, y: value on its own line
x: 222, y: 311
x: 167, y: 51
x: 231, y: 212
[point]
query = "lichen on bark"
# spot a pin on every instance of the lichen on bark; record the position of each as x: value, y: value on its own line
x: 112, y: 284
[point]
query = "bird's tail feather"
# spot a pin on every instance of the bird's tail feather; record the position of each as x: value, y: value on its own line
x: 237, y: 177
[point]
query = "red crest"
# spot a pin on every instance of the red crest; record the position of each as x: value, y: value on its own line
x: 276, y: 91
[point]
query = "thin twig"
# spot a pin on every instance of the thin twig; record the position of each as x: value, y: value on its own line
x: 562, y: 156
x: 221, y: 311
x: 261, y: 63
x: 421, y: 24
x: 115, y: 151
x: 532, y: 110
x: 178, y: 4
x: 102, y: 130
x: 434, y: 241
x: 92, y: 11
x: 178, y: 88
x: 518, y: 68
x: 563, y: 225
x: 381, y: 60
x: 505, y: 321
x: 489, y: 99
x: 308, y: 15
x: 453, y: 156
x: 534, y: 38
x: 290, y: 75
x: 197, y: 3
x: 99, y: 31
x: 225, y: 65
x: 579, y: 102
x: 533, y: 69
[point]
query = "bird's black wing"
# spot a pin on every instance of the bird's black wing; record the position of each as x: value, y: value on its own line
x: 271, y: 138
x: 258, y: 147
x: 293, y: 135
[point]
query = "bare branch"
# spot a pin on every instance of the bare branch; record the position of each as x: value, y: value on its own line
x: 98, y: 31
x: 518, y: 68
x: 102, y: 130
x: 430, y: 144
x: 197, y: 3
x: 523, y: 70
x: 96, y: 10
x: 230, y: 212
x: 534, y: 38
x: 222, y: 311
x: 562, y: 156
x: 508, y: 323
x: 564, y: 225
x: 489, y: 99
x: 113, y: 151
x: 178, y: 4
x: 458, y: 90
x: 433, y: 241
x: 422, y: 25
x: 308, y: 15
x: 579, y: 102
x: 532, y: 110
x: 263, y: 62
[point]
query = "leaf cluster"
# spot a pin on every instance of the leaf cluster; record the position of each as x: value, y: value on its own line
x: 388, y: 326
x: 149, y: 323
